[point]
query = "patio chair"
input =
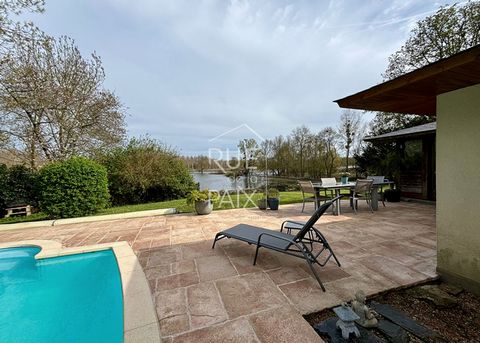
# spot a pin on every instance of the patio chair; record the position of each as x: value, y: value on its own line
x: 307, y: 188
x: 379, y: 180
x: 304, y: 244
x: 362, y: 191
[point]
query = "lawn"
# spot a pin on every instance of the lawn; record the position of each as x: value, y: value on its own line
x: 223, y: 203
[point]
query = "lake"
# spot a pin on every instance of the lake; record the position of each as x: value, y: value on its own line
x: 221, y: 182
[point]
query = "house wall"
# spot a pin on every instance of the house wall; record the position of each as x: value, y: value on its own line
x: 458, y: 186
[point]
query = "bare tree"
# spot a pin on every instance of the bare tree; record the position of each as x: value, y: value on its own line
x: 301, y: 138
x: 349, y: 132
x: 52, y: 100
x: 10, y: 29
x: 329, y: 139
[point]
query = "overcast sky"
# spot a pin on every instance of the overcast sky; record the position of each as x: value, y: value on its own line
x: 188, y: 71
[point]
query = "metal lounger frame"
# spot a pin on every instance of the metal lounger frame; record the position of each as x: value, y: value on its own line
x: 297, y: 244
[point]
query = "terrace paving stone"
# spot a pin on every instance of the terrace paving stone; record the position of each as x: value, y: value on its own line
x: 164, y: 255
x: 248, y: 294
x: 183, y: 266
x: 236, y: 331
x: 331, y: 271
x: 214, y: 267
x: 395, y: 246
x: 202, y: 248
x: 287, y: 274
x: 171, y: 306
x: 392, y: 269
x: 176, y: 281
x: 204, y: 305
x: 307, y: 296
x: 288, y: 326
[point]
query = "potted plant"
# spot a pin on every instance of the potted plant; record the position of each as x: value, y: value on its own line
x: 273, y: 198
x: 262, y: 202
x: 202, y: 200
x: 344, y: 177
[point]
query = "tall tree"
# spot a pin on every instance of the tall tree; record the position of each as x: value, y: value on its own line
x: 10, y: 29
x: 249, y: 150
x: 349, y: 132
x: 450, y: 30
x: 52, y: 100
x: 329, y: 138
x: 301, y: 137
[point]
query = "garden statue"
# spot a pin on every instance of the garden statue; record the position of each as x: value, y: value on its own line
x: 346, y: 321
x: 367, y: 315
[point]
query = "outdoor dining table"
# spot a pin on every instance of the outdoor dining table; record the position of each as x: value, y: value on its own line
x: 332, y: 187
x: 349, y: 185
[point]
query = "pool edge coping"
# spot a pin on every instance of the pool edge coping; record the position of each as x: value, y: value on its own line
x: 88, y: 219
x: 139, y: 316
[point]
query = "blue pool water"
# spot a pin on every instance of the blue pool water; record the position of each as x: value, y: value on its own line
x: 74, y: 298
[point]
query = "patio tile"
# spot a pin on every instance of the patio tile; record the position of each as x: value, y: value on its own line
x: 331, y: 272
x: 236, y: 249
x: 159, y: 271
x: 427, y: 267
x: 204, y: 305
x: 283, y: 325
x: 214, y: 267
x: 171, y: 309
x: 287, y: 274
x: 236, y: 331
x: 307, y: 296
x: 248, y: 294
x: 158, y: 243
x: 191, y: 251
x: 244, y: 264
x: 176, y: 281
x: 184, y: 266
x: 164, y: 255
x: 393, y: 270
x: 174, y: 325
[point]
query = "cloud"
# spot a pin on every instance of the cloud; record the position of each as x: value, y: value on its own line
x: 190, y: 70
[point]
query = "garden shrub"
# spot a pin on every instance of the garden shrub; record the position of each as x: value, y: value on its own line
x: 17, y: 187
x: 72, y: 188
x: 145, y: 171
x: 3, y: 188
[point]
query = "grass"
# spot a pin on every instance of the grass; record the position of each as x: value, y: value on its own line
x: 224, y: 203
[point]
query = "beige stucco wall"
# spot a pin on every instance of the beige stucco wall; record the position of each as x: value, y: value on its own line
x: 458, y: 186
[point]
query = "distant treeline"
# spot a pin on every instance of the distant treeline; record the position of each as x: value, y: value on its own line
x: 301, y: 154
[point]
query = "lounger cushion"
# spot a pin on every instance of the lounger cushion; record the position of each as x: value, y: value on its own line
x: 250, y: 234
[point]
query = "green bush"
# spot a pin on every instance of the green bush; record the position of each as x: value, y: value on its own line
x: 3, y: 188
x: 145, y: 171
x: 17, y: 187
x: 72, y: 188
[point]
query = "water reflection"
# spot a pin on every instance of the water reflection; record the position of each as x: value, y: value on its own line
x: 220, y: 182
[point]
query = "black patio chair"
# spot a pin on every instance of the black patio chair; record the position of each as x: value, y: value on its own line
x: 302, y: 244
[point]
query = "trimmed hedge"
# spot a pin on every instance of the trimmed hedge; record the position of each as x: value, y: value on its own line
x: 73, y: 188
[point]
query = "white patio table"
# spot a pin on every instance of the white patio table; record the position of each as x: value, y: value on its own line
x: 349, y: 185
x: 333, y: 187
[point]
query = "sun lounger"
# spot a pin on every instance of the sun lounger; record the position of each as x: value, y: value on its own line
x: 307, y: 243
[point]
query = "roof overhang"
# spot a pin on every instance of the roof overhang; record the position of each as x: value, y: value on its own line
x: 415, y: 132
x: 416, y: 92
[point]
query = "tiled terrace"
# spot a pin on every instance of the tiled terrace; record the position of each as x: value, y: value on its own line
x: 206, y: 295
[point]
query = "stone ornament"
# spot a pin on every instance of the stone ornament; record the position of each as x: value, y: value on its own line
x: 366, y: 315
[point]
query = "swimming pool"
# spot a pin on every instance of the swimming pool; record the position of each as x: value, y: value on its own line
x: 72, y: 298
